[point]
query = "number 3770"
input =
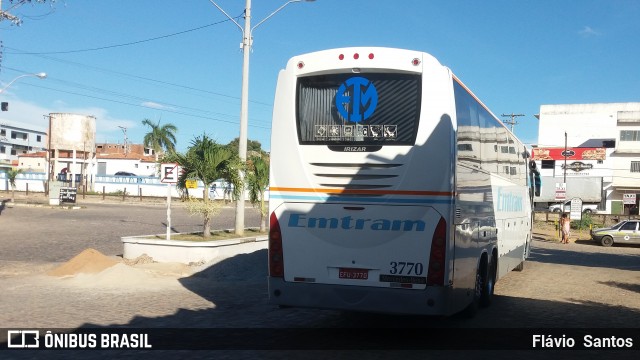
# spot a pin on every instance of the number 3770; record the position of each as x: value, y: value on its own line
x: 405, y: 268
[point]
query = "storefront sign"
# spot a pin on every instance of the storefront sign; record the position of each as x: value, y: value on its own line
x: 629, y: 199
x: 580, y: 153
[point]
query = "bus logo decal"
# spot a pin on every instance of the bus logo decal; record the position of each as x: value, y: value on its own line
x: 356, y: 99
x: 349, y: 223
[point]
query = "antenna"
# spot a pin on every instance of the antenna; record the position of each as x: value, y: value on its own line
x: 126, y: 142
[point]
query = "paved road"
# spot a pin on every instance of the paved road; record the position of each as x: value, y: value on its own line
x: 45, y: 234
x: 563, y: 286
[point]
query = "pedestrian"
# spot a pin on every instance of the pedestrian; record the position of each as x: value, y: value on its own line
x: 214, y: 191
x: 565, y: 227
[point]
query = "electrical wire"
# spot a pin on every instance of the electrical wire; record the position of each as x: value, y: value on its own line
x: 143, y: 106
x: 150, y: 80
x: 124, y: 44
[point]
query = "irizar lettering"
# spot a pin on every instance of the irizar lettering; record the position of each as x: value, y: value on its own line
x: 349, y: 223
x: 355, y: 148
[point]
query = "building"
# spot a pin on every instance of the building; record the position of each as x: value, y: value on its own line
x: 17, y: 139
x: 132, y: 158
x: 33, y: 162
x: 591, y: 143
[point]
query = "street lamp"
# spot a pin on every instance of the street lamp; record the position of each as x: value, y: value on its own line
x: 247, y: 39
x: 39, y: 75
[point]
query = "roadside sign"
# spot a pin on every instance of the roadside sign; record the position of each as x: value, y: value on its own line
x: 561, y: 191
x: 191, y: 184
x: 169, y: 173
x: 629, y: 199
x: 576, y: 209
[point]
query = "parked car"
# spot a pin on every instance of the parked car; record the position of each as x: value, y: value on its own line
x: 624, y: 232
x: 566, y: 207
x: 125, y: 173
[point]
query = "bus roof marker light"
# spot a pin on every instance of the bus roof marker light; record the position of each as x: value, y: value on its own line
x: 415, y: 62
x: 371, y: 56
x: 341, y: 56
x: 356, y: 56
x: 300, y: 65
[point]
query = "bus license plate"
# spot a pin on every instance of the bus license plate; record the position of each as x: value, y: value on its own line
x: 358, y: 274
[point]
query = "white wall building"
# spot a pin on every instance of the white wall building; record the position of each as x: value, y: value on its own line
x: 603, y: 142
x: 17, y: 139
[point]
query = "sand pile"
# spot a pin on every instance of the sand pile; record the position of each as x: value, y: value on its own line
x: 124, y: 278
x: 89, y: 261
x: 92, y: 269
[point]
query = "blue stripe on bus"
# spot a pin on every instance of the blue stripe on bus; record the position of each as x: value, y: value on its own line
x: 362, y: 199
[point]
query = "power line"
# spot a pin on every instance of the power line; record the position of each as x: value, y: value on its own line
x: 128, y: 43
x: 98, y: 69
x: 143, y: 106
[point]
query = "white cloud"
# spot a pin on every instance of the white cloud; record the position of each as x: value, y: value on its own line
x: 154, y: 105
x: 587, y: 31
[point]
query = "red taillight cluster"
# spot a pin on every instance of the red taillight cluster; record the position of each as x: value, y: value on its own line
x: 435, y: 276
x: 276, y: 262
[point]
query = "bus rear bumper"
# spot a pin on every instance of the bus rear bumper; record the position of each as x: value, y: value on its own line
x: 430, y: 301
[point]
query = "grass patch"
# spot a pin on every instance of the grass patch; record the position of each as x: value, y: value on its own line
x: 215, y: 235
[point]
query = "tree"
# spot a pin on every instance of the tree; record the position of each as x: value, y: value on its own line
x: 12, y: 175
x: 160, y: 137
x: 207, y: 161
x: 254, y: 147
x: 257, y: 178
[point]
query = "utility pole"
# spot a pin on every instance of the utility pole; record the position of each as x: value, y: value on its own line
x: 5, y: 15
x: 513, y: 119
x: 124, y: 131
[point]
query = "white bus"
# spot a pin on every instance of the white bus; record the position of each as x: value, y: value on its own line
x: 393, y: 188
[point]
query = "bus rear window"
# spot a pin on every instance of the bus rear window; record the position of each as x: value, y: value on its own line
x: 362, y: 109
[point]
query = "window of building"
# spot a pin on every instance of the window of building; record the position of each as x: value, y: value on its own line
x: 14, y: 152
x: 18, y: 135
x: 38, y: 138
x: 3, y: 132
x: 504, y: 149
x: 464, y: 147
x: 512, y: 170
x: 548, y: 164
x: 136, y: 166
x: 635, y: 166
x: 3, y: 150
x: 629, y: 135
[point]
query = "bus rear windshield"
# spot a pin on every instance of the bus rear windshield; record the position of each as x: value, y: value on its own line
x: 362, y: 109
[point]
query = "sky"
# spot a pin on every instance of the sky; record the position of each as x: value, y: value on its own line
x: 180, y: 62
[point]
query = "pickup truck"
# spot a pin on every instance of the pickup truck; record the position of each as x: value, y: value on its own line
x: 587, y: 208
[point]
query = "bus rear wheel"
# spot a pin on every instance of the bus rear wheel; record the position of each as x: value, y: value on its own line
x: 487, y: 291
x: 482, y: 290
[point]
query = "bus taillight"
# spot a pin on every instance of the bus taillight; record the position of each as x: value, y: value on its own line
x: 435, y: 276
x: 276, y: 265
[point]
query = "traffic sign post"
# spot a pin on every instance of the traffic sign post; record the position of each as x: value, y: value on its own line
x: 561, y: 191
x: 576, y: 209
x: 169, y: 174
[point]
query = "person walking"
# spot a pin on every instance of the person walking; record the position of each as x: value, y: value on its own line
x: 565, y: 227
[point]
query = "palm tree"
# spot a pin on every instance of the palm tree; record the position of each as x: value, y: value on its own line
x: 160, y: 137
x: 207, y: 161
x: 12, y: 175
x: 257, y: 183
